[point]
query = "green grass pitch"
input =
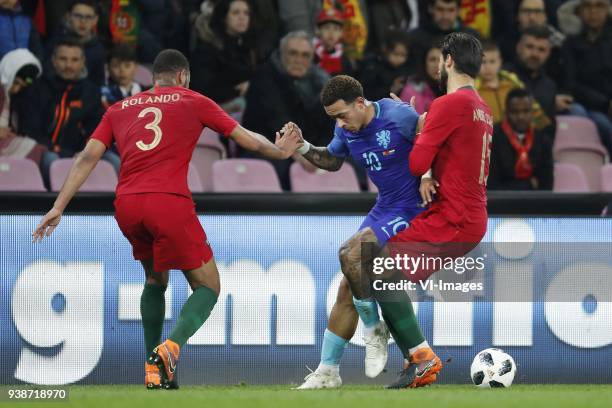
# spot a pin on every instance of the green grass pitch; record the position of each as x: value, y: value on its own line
x: 456, y: 396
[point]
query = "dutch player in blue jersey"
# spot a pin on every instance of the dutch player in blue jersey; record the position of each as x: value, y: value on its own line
x: 378, y: 136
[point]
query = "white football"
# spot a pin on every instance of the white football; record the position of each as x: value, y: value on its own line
x: 492, y: 368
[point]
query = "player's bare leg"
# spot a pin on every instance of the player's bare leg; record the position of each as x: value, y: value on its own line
x: 376, y: 335
x: 152, y: 311
x: 340, y: 329
x: 205, y: 283
x: 343, y: 318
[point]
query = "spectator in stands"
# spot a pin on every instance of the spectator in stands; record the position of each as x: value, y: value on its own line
x: 521, y: 156
x: 80, y: 22
x: 286, y: 89
x: 63, y: 108
x: 162, y: 24
x: 444, y: 20
x: 387, y: 15
x: 424, y: 86
x: 299, y: 15
x: 532, y: 13
x: 532, y: 53
x: 355, y: 26
x: 329, y: 50
x: 225, y: 58
x: 569, y: 19
x: 494, y: 84
x: 591, y: 50
x: 388, y: 72
x: 122, y: 69
x: 18, y: 70
x: 17, y: 30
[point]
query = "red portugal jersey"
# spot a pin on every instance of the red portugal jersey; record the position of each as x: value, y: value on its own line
x: 156, y: 132
x: 456, y: 143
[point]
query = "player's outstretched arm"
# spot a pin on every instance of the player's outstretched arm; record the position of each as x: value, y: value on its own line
x: 283, y: 148
x: 323, y: 159
x: 82, y: 167
x: 318, y: 156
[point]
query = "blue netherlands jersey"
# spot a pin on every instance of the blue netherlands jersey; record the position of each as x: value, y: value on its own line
x: 382, y: 148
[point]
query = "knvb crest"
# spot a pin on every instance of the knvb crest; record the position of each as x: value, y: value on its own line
x: 384, y: 138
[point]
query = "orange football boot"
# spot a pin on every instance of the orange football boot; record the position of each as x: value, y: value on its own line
x: 165, y: 357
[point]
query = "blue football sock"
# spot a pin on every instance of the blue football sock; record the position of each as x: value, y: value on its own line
x: 367, y: 310
x: 332, y: 349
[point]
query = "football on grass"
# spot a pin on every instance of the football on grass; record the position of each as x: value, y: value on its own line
x: 492, y: 368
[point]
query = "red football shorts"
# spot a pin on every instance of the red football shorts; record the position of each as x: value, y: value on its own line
x: 165, y: 228
x: 430, y: 234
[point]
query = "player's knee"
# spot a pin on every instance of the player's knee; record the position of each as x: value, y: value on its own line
x: 366, y: 235
x: 157, y: 281
x: 344, y: 253
x: 214, y: 286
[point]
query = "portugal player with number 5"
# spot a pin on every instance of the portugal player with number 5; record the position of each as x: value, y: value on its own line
x: 156, y: 132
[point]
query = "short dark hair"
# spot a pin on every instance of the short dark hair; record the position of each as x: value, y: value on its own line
x: 489, y: 45
x: 68, y: 41
x: 517, y: 93
x: 466, y: 51
x: 433, y: 2
x: 90, y: 3
x: 395, y: 37
x: 122, y: 53
x: 539, y: 32
x: 341, y: 87
x: 170, y: 61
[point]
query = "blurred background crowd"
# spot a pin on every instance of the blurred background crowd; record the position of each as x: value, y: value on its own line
x: 546, y: 74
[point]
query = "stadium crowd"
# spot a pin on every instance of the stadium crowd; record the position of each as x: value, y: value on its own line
x: 63, y: 62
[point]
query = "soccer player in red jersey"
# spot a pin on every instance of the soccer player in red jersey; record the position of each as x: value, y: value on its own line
x: 156, y: 132
x: 455, y: 145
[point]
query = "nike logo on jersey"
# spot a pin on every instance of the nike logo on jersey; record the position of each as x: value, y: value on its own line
x: 351, y: 140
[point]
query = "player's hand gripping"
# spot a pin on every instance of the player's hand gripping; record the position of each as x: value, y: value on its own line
x: 428, y: 190
x: 422, y: 117
x: 47, y: 225
x: 289, y: 139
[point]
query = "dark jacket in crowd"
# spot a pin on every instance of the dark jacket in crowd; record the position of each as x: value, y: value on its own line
x: 503, y: 160
x: 17, y: 31
x: 592, y: 85
x: 61, y: 114
x: 274, y: 98
x: 387, y: 15
x: 95, y: 55
x: 218, y: 65
x: 422, y: 38
x: 377, y: 77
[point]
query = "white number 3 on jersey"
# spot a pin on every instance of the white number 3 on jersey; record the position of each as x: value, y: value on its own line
x: 153, y: 125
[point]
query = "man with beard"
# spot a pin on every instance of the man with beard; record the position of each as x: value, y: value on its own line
x: 455, y: 146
